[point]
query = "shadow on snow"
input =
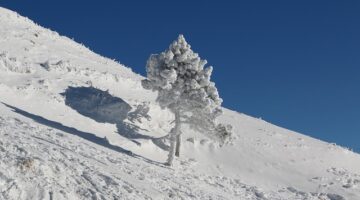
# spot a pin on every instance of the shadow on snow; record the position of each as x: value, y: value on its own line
x: 104, y: 108
x: 85, y: 135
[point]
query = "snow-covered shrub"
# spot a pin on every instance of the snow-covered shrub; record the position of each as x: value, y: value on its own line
x: 183, y: 84
x: 12, y: 64
x: 25, y: 164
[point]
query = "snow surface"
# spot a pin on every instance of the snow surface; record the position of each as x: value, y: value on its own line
x: 50, y: 148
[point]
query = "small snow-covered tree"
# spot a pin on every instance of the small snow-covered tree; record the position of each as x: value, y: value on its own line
x: 184, y: 87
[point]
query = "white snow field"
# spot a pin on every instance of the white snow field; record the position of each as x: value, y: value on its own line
x: 75, y: 125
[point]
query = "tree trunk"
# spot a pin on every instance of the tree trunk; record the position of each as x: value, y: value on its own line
x: 178, y: 142
x: 174, y: 135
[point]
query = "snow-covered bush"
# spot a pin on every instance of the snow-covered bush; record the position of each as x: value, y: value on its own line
x: 184, y: 86
x: 12, y: 64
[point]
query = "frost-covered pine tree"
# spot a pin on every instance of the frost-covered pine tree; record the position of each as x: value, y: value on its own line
x: 184, y: 86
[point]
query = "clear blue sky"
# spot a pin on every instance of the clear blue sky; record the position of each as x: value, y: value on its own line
x: 293, y: 63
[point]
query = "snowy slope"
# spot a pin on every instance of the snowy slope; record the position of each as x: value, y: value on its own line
x: 51, y: 148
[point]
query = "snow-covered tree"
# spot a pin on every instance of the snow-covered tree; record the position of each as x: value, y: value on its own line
x: 184, y: 86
